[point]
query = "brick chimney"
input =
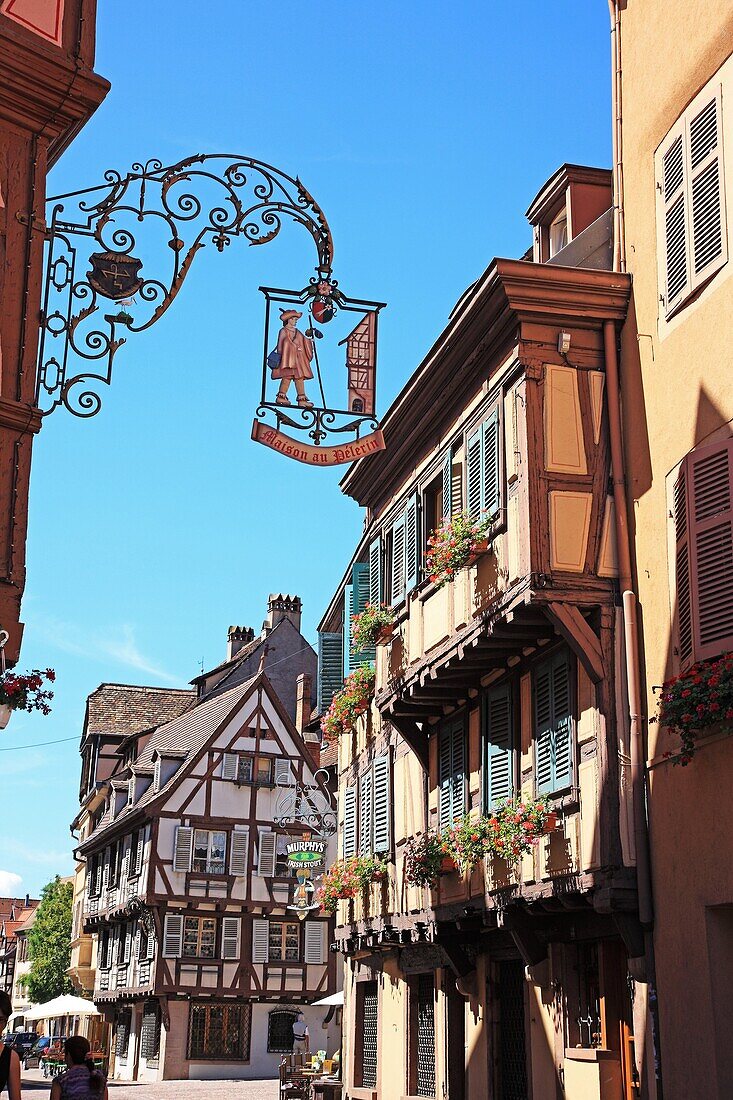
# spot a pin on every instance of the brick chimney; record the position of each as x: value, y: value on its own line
x: 237, y: 638
x: 282, y: 606
x: 303, y: 689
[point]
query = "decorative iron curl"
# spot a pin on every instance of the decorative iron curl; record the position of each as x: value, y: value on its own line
x: 309, y: 805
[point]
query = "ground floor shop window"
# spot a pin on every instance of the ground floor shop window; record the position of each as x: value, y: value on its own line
x: 365, y: 1069
x: 422, y: 1035
x: 122, y: 1034
x: 512, y: 1051
x: 220, y: 1031
x: 280, y: 1031
x: 150, y: 1033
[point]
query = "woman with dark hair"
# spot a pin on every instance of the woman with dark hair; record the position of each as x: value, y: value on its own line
x: 9, y: 1060
x: 81, y: 1080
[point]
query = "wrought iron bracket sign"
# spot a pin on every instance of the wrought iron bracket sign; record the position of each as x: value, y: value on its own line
x: 307, y: 805
x: 118, y: 254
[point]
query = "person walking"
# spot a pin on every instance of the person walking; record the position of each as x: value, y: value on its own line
x: 301, y: 1038
x: 9, y: 1060
x: 81, y: 1080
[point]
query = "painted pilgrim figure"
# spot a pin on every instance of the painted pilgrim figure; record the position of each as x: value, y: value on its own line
x: 296, y: 352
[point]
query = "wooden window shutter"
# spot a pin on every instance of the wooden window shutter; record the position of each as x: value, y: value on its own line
x: 682, y: 569
x: 412, y: 542
x: 382, y: 804
x: 126, y: 942
x: 709, y: 245
x: 361, y: 582
x: 491, y: 466
x: 156, y: 774
x: 473, y: 474
x: 676, y: 252
x: 447, y: 487
x: 266, y: 855
x: 444, y: 779
x: 366, y: 814
x: 314, y: 942
x: 260, y: 940
x: 230, y: 937
x: 284, y: 772
x: 229, y: 764
x: 499, y: 744
x: 330, y: 667
x: 562, y: 721
x: 707, y: 480
x: 172, y: 936
x: 349, y: 833
x: 452, y: 773
x: 238, y: 853
x: 397, y: 574
x: 183, y: 847
x: 458, y: 744
x: 543, y: 727
x: 554, y: 726
x: 375, y: 572
x: 349, y: 658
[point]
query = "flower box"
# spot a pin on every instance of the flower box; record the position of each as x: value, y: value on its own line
x: 550, y: 822
x: 696, y: 702
x: 455, y: 544
x: 448, y: 865
x: 25, y: 691
x: 372, y: 626
x: 385, y: 635
x: 479, y: 548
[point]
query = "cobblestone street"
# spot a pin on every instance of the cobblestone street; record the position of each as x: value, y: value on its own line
x: 35, y: 1084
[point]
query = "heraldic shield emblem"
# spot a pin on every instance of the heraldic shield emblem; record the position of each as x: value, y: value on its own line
x: 114, y: 275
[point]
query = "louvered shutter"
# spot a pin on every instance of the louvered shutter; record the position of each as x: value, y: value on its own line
x: 283, y: 772
x: 446, y: 506
x: 172, y: 936
x: 361, y: 582
x: 682, y: 568
x: 330, y: 667
x: 349, y: 659
x: 444, y: 779
x: 126, y: 942
x: 676, y: 249
x: 97, y: 876
x: 452, y: 773
x: 260, y: 940
x: 473, y: 474
x: 375, y: 572
x: 266, y: 854
x: 229, y: 765
x: 543, y: 727
x: 563, y: 723
x: 498, y: 734
x: 138, y: 942
x: 706, y: 528
x: 366, y: 814
x: 382, y: 804
x: 230, y: 937
x: 349, y: 833
x: 238, y: 853
x: 314, y: 942
x: 709, y: 246
x: 397, y: 572
x: 458, y: 768
x: 412, y: 542
x: 491, y: 466
x: 182, y: 850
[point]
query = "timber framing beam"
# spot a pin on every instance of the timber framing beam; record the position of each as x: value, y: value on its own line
x: 580, y: 636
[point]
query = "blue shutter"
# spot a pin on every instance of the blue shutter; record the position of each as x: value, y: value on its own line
x: 349, y: 657
x: 553, y: 724
x: 444, y: 778
x: 360, y: 584
x: 498, y: 740
x: 447, y: 495
x: 458, y: 768
x: 375, y: 572
x: 330, y: 667
x: 491, y: 466
x: 474, y: 493
x: 412, y: 542
x: 397, y: 585
x: 452, y: 772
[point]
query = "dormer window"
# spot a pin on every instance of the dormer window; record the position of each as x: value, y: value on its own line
x: 559, y: 232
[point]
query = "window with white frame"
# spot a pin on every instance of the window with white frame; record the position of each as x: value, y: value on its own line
x: 691, y: 227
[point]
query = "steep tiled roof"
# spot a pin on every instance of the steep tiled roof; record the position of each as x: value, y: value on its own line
x: 183, y: 737
x: 329, y: 754
x: 130, y: 708
x: 10, y: 906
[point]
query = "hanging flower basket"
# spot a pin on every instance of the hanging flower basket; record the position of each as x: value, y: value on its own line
x: 516, y: 826
x: 347, y: 878
x: 25, y: 691
x: 696, y: 701
x: 374, y: 625
x: 348, y: 704
x: 424, y: 856
x: 454, y: 545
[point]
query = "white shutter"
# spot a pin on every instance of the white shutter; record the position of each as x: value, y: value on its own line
x: 366, y: 814
x: 283, y: 772
x: 238, y: 854
x: 707, y: 217
x: 173, y: 936
x: 381, y: 806
x: 229, y: 765
x: 260, y: 940
x: 230, y: 937
x: 127, y: 942
x: 314, y: 941
x: 349, y: 834
x: 266, y: 854
x: 183, y: 847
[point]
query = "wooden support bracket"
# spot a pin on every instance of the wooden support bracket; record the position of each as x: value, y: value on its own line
x: 579, y: 635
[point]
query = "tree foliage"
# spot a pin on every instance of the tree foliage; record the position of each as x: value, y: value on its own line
x: 49, y: 943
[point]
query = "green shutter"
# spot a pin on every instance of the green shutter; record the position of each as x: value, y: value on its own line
x: 447, y: 503
x: 360, y: 585
x: 491, y: 466
x: 543, y: 728
x: 412, y: 542
x: 563, y: 722
x: 553, y: 724
x: 499, y: 747
x: 366, y: 814
x: 444, y: 778
x: 473, y: 474
x: 382, y: 804
x: 397, y: 575
x: 452, y: 772
x: 375, y: 572
x: 349, y: 834
x: 350, y: 661
x: 330, y: 667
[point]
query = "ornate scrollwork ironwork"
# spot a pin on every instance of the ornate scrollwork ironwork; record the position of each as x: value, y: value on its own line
x: 119, y: 227
x: 306, y: 804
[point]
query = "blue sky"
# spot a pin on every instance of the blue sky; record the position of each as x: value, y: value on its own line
x: 424, y: 130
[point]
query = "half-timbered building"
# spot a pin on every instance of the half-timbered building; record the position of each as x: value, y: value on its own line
x: 200, y: 963
x: 510, y: 981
